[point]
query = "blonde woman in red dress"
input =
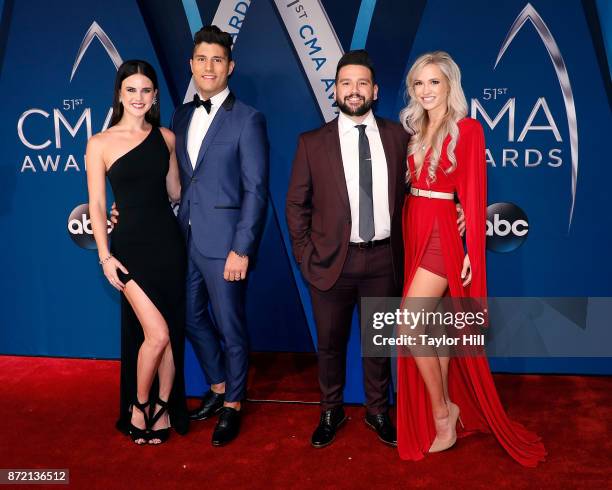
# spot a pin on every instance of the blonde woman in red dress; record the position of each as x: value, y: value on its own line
x: 446, y: 155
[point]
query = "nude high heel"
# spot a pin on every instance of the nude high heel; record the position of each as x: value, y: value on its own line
x: 440, y: 444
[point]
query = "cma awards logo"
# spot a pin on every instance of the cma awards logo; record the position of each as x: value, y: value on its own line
x: 507, y: 227
x: 45, y: 147
x: 79, y: 227
x: 541, y: 156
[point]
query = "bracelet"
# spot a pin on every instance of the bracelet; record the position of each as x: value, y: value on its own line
x: 105, y: 259
x: 241, y: 255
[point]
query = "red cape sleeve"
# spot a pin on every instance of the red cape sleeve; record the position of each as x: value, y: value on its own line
x: 472, y: 192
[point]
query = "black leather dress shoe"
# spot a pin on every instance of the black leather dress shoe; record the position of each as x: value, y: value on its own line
x: 383, y: 426
x: 212, y: 403
x: 227, y: 428
x: 330, y: 422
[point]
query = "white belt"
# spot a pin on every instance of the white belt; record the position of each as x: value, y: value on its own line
x: 431, y: 194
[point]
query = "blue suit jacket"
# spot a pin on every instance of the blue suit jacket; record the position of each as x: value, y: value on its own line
x: 225, y: 195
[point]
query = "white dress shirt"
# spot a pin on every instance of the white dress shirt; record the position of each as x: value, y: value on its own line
x: 200, y: 122
x: 349, y: 146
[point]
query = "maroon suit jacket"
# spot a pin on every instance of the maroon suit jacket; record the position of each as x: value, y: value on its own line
x: 318, y: 211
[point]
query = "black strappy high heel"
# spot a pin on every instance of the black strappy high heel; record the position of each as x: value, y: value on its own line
x: 161, y: 434
x: 137, y: 433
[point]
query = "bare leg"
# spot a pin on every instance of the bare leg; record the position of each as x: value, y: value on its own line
x: 165, y: 372
x: 444, y: 362
x: 156, y: 341
x: 429, y: 285
x: 434, y: 370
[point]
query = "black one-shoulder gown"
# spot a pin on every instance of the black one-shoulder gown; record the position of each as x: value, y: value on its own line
x: 148, y: 242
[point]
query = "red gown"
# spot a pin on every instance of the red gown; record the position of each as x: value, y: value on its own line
x: 471, y: 385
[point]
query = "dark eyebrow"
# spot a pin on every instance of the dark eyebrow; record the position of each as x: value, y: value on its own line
x: 212, y: 57
x: 359, y: 80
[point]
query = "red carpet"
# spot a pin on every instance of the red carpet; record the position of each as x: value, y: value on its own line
x: 60, y: 413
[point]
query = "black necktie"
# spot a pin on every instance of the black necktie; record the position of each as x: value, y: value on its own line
x: 366, y: 204
x: 207, y: 104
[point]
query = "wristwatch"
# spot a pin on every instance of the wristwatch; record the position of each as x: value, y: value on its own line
x: 241, y: 255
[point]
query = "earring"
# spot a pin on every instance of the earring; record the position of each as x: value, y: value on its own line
x: 154, y: 100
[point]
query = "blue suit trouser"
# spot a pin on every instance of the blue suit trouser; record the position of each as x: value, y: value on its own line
x: 220, y: 342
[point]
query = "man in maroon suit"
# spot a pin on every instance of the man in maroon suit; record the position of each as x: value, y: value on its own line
x: 344, y: 207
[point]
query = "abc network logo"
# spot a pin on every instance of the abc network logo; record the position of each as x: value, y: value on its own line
x: 507, y: 227
x: 79, y: 227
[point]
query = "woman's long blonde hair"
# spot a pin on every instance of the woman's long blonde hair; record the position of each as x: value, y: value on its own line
x: 415, y: 119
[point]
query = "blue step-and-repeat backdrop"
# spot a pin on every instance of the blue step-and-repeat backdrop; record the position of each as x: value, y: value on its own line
x: 536, y: 75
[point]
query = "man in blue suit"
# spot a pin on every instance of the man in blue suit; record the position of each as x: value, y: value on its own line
x: 222, y: 150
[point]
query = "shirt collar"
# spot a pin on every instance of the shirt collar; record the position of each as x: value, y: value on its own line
x: 346, y: 124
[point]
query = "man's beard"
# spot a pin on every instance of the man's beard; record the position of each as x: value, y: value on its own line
x: 361, y: 110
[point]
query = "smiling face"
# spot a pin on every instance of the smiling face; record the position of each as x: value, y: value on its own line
x: 431, y: 89
x: 355, y: 90
x: 211, y: 69
x: 137, y: 94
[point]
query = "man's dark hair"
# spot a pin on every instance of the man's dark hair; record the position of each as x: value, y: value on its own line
x: 356, y: 57
x: 214, y: 35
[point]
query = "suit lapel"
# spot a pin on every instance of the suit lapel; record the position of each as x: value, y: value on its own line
x: 220, y: 117
x: 391, y: 158
x: 334, y: 155
x: 181, y: 129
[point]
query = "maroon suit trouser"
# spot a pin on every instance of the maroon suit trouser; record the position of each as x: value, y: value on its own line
x: 367, y: 272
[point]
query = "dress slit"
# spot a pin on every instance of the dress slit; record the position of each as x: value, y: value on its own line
x: 148, y: 242
x: 471, y: 384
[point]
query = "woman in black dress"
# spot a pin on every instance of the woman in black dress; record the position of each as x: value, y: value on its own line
x: 146, y: 261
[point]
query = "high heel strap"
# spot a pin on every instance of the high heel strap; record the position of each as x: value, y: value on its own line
x: 143, y: 408
x: 160, y: 434
x: 157, y: 415
x: 136, y: 432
